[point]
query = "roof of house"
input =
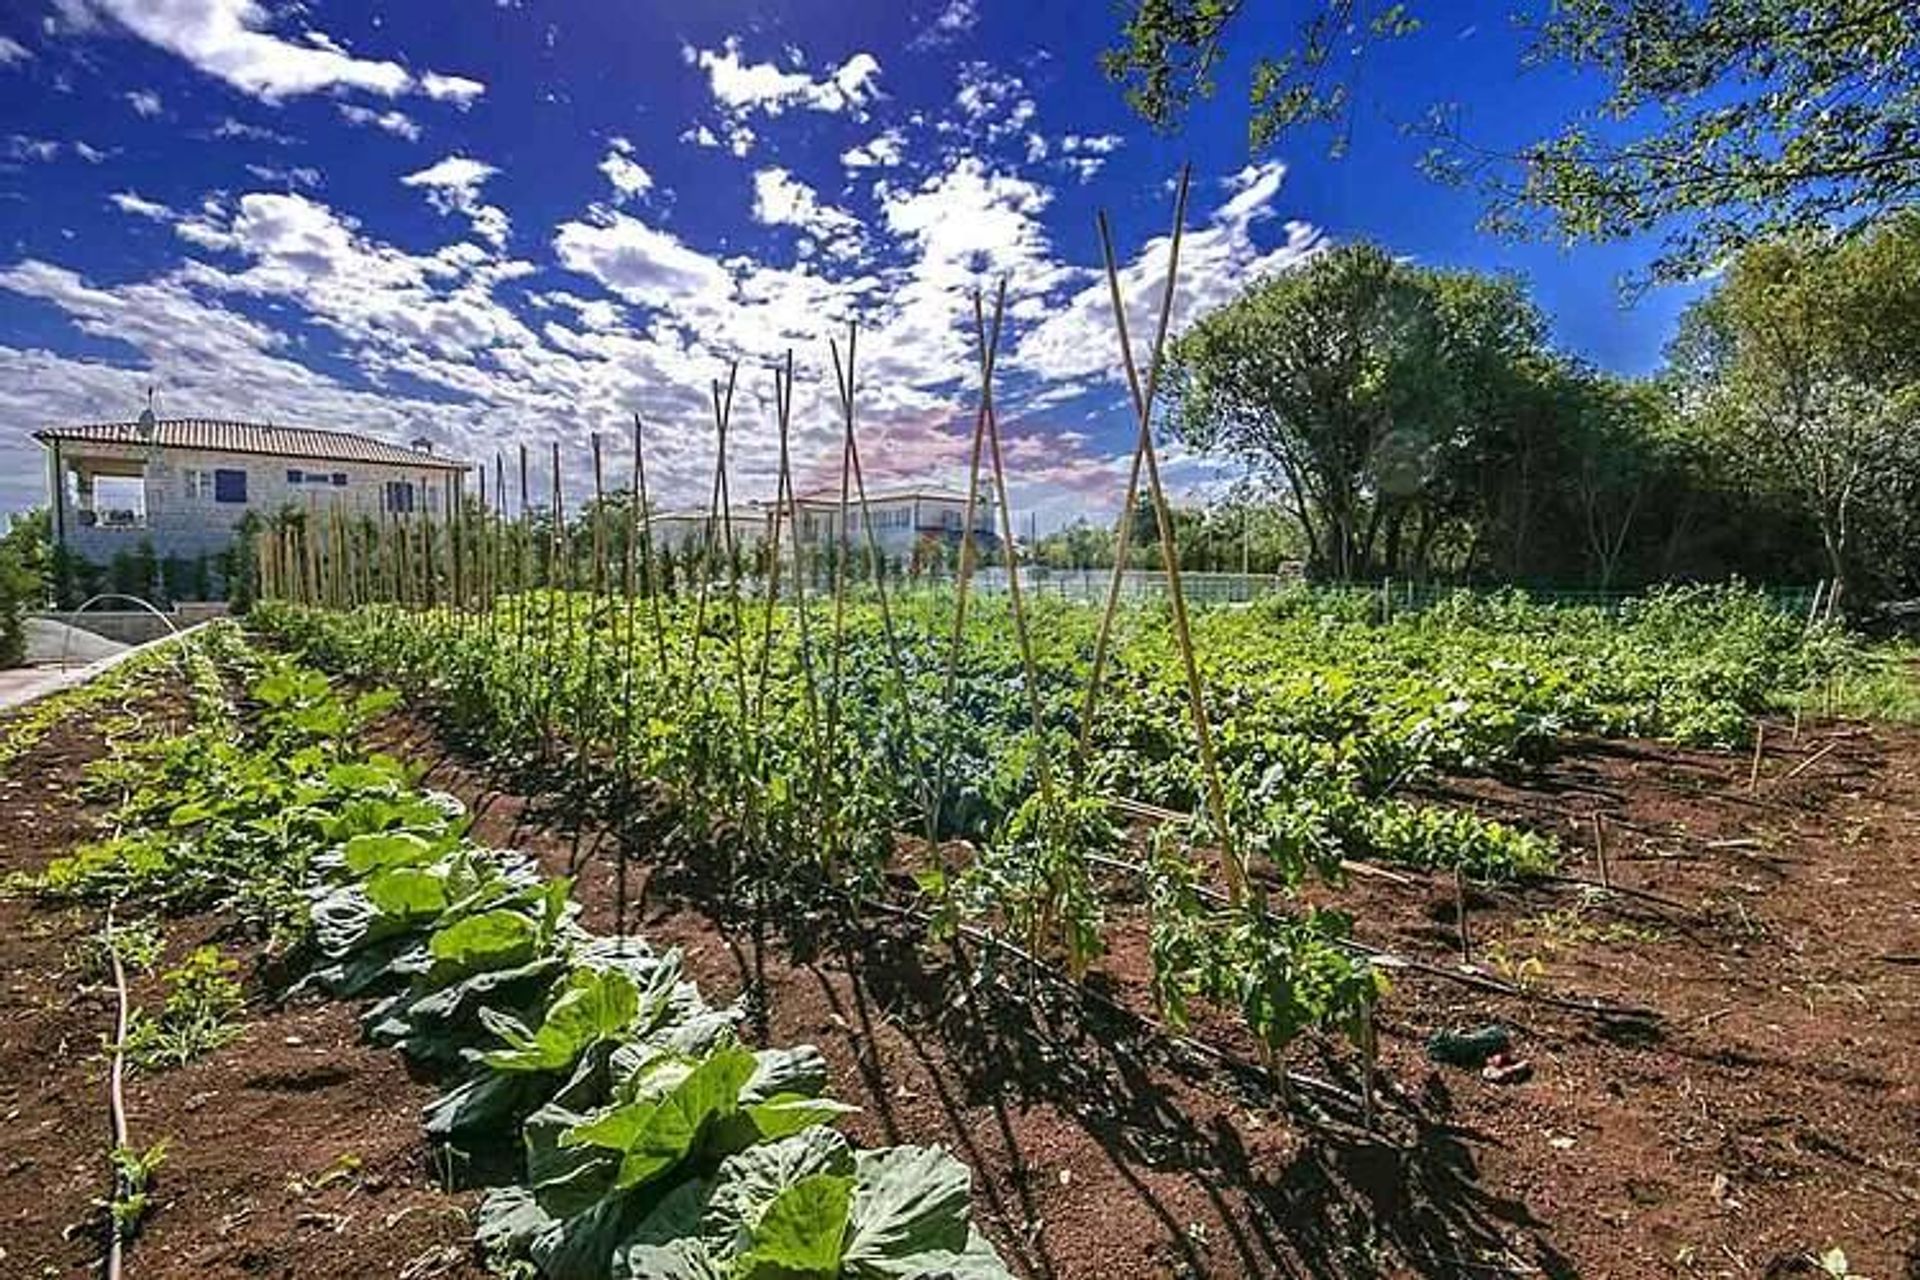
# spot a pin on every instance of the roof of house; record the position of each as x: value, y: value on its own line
x: 831, y: 496
x: 753, y: 513
x: 216, y: 435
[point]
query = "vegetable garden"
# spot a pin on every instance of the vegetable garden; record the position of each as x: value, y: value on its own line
x: 1306, y: 849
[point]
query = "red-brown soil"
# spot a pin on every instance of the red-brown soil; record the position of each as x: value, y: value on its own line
x: 295, y: 1151
x: 1769, y: 1112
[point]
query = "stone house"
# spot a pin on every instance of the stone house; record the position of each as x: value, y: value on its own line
x: 180, y: 485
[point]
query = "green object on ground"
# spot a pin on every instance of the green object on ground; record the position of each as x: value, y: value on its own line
x: 1464, y: 1048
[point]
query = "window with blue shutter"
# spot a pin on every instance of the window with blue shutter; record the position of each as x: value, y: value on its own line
x: 229, y: 486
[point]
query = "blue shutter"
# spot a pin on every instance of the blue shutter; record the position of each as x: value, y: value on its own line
x: 229, y: 486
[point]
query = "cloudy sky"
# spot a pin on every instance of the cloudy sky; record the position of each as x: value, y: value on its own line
x: 506, y: 221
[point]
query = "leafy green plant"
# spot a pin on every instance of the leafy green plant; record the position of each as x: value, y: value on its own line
x: 133, y: 1171
x: 809, y: 1208
x: 1282, y: 975
x: 138, y: 943
x: 1037, y: 877
x: 199, y: 1014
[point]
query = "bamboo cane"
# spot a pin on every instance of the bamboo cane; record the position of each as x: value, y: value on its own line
x: 1169, y: 552
x: 845, y: 379
x: 646, y: 546
x: 963, y: 579
x: 1041, y: 755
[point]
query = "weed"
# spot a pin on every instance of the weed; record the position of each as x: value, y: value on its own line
x: 133, y: 1172
x: 1569, y: 927
x: 138, y: 942
x: 197, y: 1018
x: 345, y: 1167
x: 1524, y: 972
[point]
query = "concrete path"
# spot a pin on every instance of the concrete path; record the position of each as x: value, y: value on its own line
x: 21, y: 685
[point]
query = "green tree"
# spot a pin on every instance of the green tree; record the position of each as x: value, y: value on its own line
x: 1364, y: 391
x: 25, y: 568
x: 1716, y: 122
x: 1806, y: 362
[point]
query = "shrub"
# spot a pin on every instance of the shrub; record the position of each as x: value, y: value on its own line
x: 19, y: 592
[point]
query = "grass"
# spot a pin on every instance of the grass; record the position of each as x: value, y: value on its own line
x: 1884, y: 685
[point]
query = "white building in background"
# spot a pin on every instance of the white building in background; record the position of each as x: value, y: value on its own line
x: 902, y: 520
x: 675, y: 530
x: 181, y: 484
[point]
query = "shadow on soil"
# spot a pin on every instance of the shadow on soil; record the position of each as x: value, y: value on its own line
x: 1345, y: 1204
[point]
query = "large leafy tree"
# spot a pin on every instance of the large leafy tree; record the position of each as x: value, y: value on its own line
x: 1367, y: 391
x: 1717, y: 122
x: 1805, y: 360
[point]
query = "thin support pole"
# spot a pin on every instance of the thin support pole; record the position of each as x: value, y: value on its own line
x: 646, y: 544
x: 1022, y: 638
x: 844, y: 376
x: 963, y: 579
x: 1169, y: 551
x: 1460, y: 913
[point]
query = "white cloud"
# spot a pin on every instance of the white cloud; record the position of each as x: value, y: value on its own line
x: 91, y: 154
x: 973, y: 221
x: 139, y: 206
x: 739, y: 138
x: 453, y: 186
x: 12, y: 51
x: 144, y: 102
x: 883, y: 151
x: 398, y: 123
x: 992, y: 101
x: 639, y: 262
x: 1099, y: 144
x: 627, y: 177
x: 458, y: 90
x: 955, y: 19
x: 292, y: 178
x: 227, y: 39
x: 780, y: 198
x: 22, y: 147
x: 1076, y: 339
x: 455, y: 177
x: 231, y: 128
x: 742, y: 88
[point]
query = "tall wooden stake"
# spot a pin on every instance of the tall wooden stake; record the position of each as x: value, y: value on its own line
x: 1169, y: 551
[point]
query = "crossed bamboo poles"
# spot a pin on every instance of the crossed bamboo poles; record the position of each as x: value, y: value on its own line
x: 323, y: 564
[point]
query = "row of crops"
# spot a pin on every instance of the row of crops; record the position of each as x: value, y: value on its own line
x: 835, y: 748
x: 651, y: 1141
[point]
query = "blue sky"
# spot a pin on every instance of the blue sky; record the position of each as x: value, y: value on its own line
x: 497, y: 221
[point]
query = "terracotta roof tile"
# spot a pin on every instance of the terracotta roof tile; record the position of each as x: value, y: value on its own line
x: 220, y: 436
